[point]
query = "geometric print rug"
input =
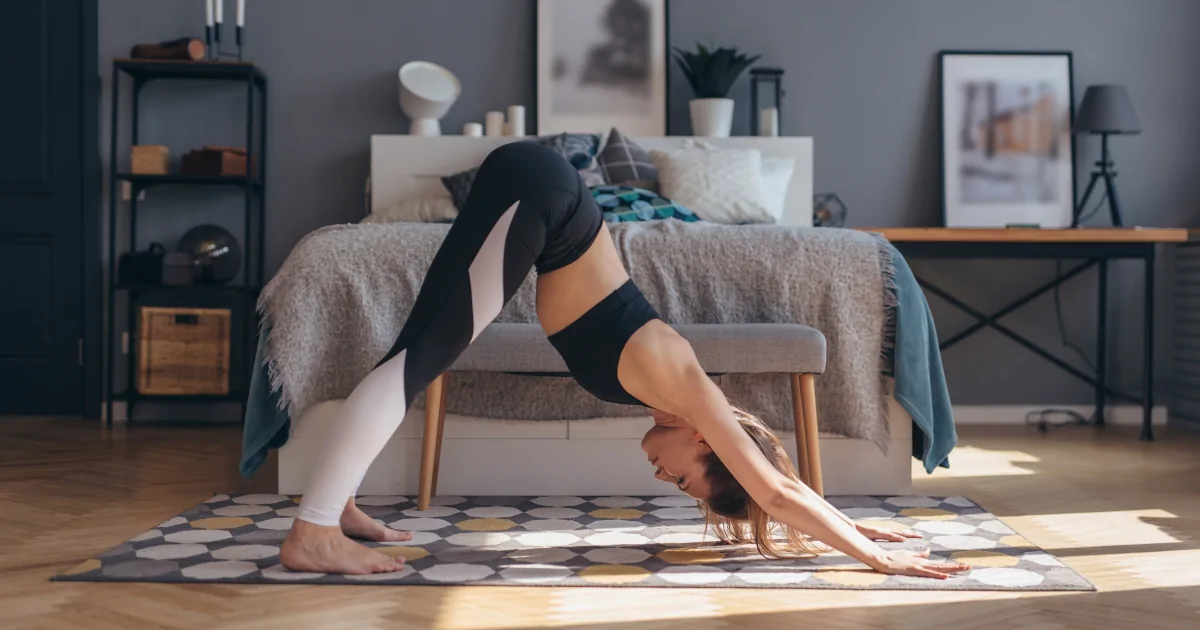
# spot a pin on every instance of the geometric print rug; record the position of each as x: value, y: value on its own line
x: 575, y: 541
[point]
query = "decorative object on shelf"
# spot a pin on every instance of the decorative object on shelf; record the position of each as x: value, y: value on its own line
x: 214, y: 17
x: 600, y: 64
x: 149, y: 159
x: 711, y: 74
x: 1106, y: 110
x: 766, y: 99
x: 183, y: 351
x: 829, y: 211
x: 215, y: 253
x: 208, y: 25
x: 427, y: 91
x: 178, y: 270
x: 493, y: 124
x: 1007, y: 151
x: 185, y: 48
x: 516, y: 121
x: 213, y: 161
x: 472, y: 129
x: 241, y: 23
x: 142, y: 267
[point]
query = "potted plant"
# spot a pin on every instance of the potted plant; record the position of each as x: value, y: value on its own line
x: 711, y: 75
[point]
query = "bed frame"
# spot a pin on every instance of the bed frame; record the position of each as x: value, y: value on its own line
x: 573, y: 457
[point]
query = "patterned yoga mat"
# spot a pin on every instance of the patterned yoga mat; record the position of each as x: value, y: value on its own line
x: 573, y: 541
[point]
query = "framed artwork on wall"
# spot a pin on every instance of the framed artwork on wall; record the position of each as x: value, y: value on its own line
x: 1008, y: 156
x: 601, y: 64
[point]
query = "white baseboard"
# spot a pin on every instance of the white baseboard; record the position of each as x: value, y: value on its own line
x: 1009, y: 415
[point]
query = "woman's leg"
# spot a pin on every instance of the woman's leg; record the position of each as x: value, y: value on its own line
x: 484, y: 259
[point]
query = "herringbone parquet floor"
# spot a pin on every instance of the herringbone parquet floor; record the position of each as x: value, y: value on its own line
x: 1123, y: 513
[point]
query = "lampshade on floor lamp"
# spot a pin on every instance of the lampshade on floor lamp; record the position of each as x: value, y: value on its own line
x: 1106, y: 110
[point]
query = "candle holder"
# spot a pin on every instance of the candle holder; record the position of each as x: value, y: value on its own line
x: 764, y: 119
x: 214, y: 46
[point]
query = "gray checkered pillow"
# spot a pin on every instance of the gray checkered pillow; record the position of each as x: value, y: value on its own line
x: 626, y: 163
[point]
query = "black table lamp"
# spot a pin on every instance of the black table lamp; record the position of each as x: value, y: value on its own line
x: 1105, y: 110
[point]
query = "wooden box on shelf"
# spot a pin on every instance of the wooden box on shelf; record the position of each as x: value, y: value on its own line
x: 149, y: 159
x: 215, y: 161
x: 183, y: 351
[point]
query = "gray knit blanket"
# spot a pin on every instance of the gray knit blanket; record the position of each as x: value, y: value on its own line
x: 338, y: 303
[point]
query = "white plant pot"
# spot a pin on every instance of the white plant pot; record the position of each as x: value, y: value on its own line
x: 711, y: 117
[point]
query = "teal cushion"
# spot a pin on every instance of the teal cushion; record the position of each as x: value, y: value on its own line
x: 625, y: 203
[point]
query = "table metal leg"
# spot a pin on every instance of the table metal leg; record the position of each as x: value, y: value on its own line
x: 1148, y: 349
x: 1101, y: 343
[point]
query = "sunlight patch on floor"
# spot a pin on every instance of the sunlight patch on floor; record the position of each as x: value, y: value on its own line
x: 1118, y: 528
x: 971, y: 461
x: 1157, y: 569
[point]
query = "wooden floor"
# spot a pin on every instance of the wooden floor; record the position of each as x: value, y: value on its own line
x: 1125, y: 514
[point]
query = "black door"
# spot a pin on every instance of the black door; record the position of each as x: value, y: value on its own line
x: 42, y: 205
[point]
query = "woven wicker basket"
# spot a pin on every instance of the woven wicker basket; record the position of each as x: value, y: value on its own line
x: 183, y: 351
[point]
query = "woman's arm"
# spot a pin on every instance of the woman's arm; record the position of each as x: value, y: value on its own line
x: 790, y: 502
x: 662, y: 370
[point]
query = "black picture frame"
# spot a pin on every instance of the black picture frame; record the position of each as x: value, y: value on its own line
x: 1070, y: 144
x: 534, y: 113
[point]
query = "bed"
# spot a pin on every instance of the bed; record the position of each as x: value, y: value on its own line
x: 527, y: 435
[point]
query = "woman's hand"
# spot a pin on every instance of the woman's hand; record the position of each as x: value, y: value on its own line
x: 886, y: 535
x: 918, y: 564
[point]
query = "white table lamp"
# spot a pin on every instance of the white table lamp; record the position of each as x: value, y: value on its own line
x: 427, y: 91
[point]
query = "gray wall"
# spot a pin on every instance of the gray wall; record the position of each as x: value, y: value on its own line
x: 861, y: 79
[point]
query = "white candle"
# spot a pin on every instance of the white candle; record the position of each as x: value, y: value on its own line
x: 208, y: 12
x: 220, y: 10
x: 472, y: 129
x: 516, y: 120
x: 241, y: 13
x: 493, y: 124
x: 768, y: 122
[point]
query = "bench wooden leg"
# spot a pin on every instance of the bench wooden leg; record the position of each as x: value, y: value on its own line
x: 808, y: 391
x: 801, y: 443
x: 431, y: 440
x: 441, y: 433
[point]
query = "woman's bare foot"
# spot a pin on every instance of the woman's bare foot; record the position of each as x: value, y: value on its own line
x: 322, y: 549
x: 358, y: 525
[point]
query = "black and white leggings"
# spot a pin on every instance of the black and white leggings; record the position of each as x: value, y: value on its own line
x: 527, y: 208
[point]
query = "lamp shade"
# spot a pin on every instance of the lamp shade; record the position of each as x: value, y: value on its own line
x: 1107, y: 109
x: 427, y: 91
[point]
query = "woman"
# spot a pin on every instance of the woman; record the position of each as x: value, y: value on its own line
x: 527, y: 209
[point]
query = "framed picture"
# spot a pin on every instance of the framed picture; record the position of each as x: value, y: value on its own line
x: 1008, y: 156
x: 602, y: 64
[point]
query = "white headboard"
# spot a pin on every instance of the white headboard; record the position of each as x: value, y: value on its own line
x: 404, y: 166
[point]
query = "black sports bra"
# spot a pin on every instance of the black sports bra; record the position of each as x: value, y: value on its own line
x: 591, y: 346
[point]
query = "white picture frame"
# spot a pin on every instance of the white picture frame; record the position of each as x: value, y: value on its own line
x: 1008, y: 154
x: 581, y: 88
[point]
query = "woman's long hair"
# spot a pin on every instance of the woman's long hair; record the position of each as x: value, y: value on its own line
x: 734, y: 517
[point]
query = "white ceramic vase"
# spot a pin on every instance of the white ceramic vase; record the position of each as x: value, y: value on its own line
x: 711, y: 117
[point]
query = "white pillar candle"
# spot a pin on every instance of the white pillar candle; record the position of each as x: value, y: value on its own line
x: 516, y: 120
x: 241, y: 13
x: 493, y: 124
x: 208, y: 12
x: 768, y: 122
x: 220, y: 10
x: 474, y: 130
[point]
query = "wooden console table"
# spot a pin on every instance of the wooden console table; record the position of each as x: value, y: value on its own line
x: 1096, y: 246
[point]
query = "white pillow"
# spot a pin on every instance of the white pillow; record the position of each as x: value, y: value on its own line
x: 719, y: 185
x: 429, y: 207
x: 777, y: 176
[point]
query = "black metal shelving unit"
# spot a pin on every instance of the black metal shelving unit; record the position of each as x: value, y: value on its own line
x: 253, y: 187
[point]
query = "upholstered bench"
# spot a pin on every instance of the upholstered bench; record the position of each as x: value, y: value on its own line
x: 721, y: 348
